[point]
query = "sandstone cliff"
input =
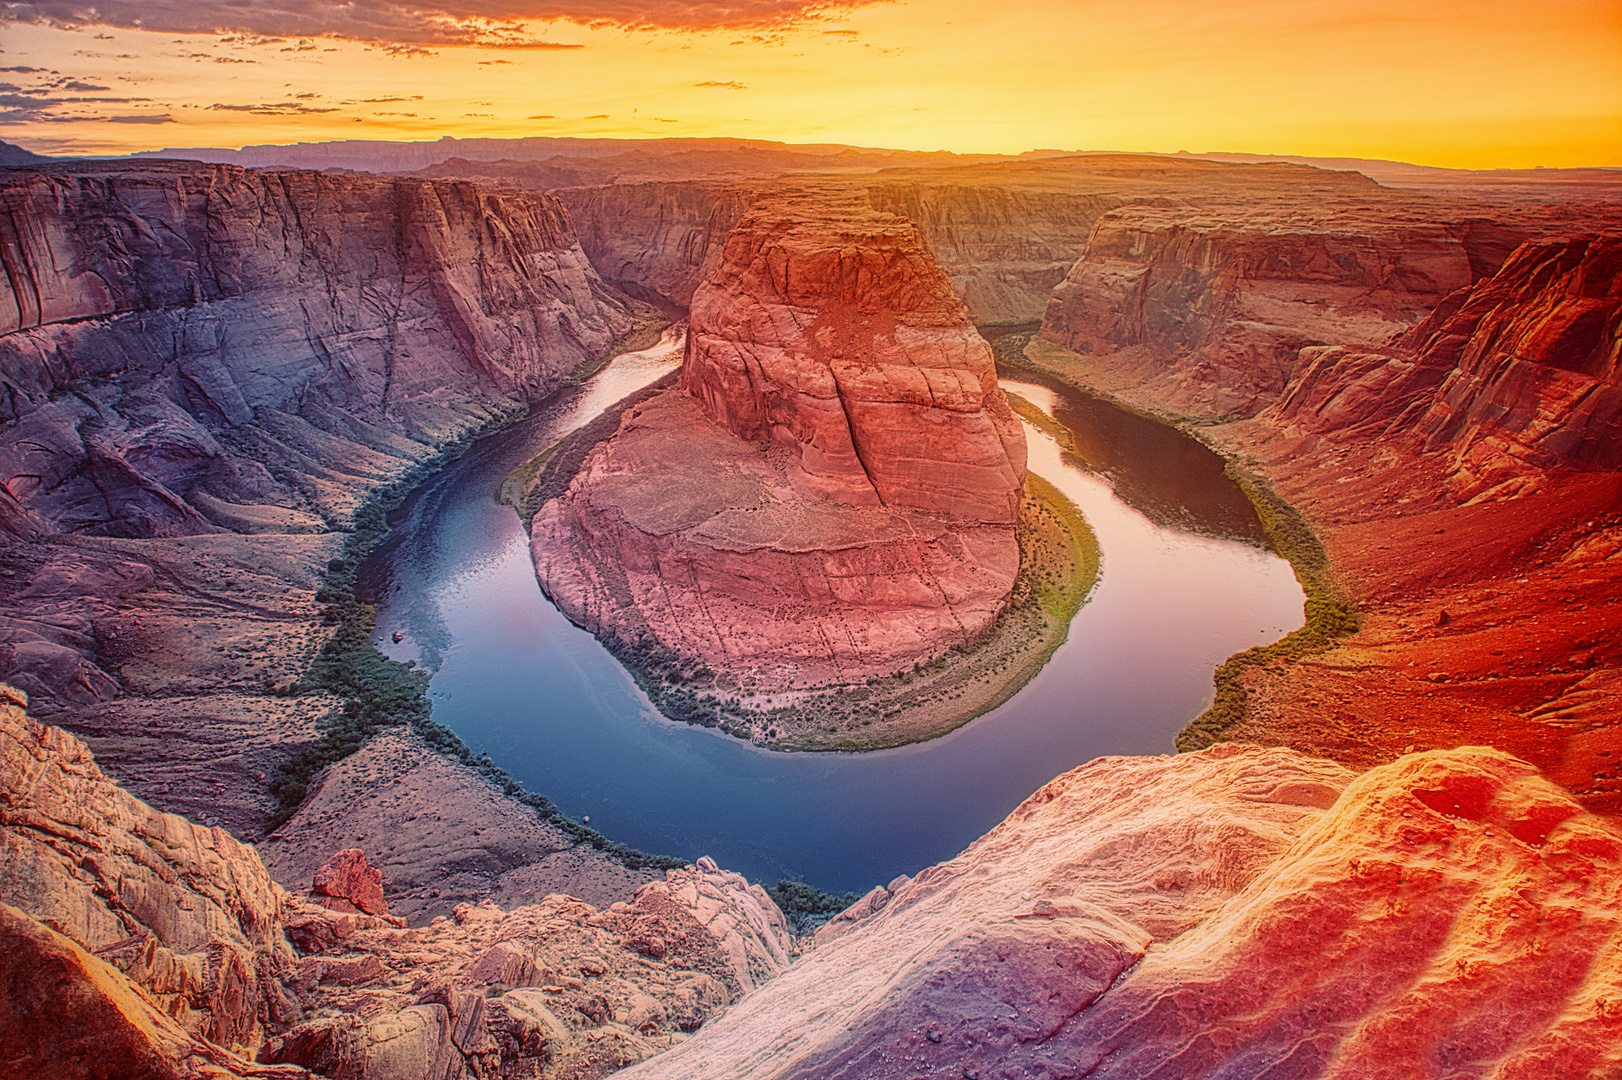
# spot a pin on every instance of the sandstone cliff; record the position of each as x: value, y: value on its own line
x: 1003, y: 248
x: 1212, y: 309
x: 1510, y: 377
x: 665, y: 238
x: 148, y: 312
x: 1462, y: 479
x: 1236, y: 912
x: 138, y: 944
x: 188, y: 913
x: 207, y: 369
x: 831, y: 492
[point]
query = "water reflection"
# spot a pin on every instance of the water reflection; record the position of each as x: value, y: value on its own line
x: 515, y: 679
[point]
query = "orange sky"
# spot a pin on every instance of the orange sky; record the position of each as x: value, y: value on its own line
x: 1481, y: 84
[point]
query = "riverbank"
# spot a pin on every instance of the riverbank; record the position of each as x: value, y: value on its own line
x: 1433, y: 621
x: 1329, y: 612
x: 1058, y: 568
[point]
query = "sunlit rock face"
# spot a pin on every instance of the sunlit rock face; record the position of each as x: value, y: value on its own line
x: 831, y: 491
x: 1518, y: 373
x: 1236, y: 912
x: 1210, y: 309
x: 829, y: 330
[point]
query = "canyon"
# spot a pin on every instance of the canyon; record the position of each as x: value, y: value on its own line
x: 1391, y: 846
x: 828, y: 496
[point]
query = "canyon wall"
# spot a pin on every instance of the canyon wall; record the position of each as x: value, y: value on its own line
x: 206, y: 371
x: 150, y: 314
x: 666, y: 238
x: 1460, y: 472
x: 831, y: 492
x: 1235, y: 912
x: 1211, y: 310
x: 1003, y: 248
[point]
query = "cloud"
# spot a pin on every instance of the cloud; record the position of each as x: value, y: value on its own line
x: 728, y: 85
x: 153, y: 118
x: 279, y: 108
x: 487, y: 23
x: 83, y: 87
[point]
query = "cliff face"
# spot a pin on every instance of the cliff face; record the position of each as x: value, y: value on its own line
x: 666, y: 238
x: 1535, y: 361
x: 206, y: 369
x: 1239, y: 912
x: 1003, y: 248
x: 1463, y: 480
x: 833, y: 334
x: 1511, y: 376
x: 149, y: 314
x: 1209, y: 311
x: 831, y: 492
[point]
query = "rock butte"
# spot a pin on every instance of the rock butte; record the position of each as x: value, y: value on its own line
x: 831, y: 491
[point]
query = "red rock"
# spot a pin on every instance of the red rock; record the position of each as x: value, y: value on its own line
x: 1235, y: 912
x: 1210, y: 308
x: 1535, y: 362
x: 347, y: 876
x: 66, y: 1015
x: 829, y: 330
x: 389, y: 307
x: 832, y: 497
x: 663, y: 237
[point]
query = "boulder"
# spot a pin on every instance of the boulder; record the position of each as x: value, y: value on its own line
x: 347, y: 878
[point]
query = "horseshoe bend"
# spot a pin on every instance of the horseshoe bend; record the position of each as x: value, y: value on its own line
x: 831, y: 496
x: 237, y: 842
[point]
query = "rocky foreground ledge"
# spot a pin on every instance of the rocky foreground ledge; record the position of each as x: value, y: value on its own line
x: 134, y: 943
x: 1239, y: 911
x: 1236, y: 912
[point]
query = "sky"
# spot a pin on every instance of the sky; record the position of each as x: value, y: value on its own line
x: 1478, y: 84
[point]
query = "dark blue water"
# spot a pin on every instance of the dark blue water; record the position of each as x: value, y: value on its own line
x: 517, y: 680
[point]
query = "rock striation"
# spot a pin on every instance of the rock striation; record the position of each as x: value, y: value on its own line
x: 1004, y: 247
x: 180, y: 300
x: 1516, y: 374
x: 1210, y: 309
x: 1462, y: 479
x: 1239, y: 911
x: 830, y: 493
x: 206, y: 371
x: 189, y: 914
x: 139, y: 944
x: 662, y: 237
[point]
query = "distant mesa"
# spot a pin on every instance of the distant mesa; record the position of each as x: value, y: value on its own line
x: 12, y: 154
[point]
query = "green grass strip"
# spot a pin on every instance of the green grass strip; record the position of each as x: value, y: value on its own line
x: 1330, y: 614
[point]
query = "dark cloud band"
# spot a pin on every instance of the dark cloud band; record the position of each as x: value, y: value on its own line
x: 490, y: 23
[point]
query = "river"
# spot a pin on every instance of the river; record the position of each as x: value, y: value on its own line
x: 1186, y: 581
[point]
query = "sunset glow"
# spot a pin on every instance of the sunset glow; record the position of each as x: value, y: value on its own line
x: 1478, y: 85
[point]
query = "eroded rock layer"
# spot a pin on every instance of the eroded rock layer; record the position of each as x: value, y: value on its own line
x: 831, y: 492
x: 139, y: 944
x: 1463, y: 480
x: 1213, y: 307
x: 1235, y: 912
x: 206, y: 371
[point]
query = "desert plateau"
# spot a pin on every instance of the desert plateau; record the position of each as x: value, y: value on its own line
x: 701, y: 568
